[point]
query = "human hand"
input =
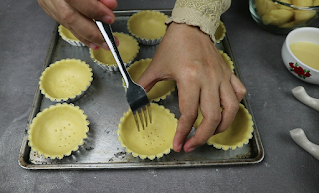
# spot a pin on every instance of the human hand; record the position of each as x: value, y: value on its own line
x: 203, y: 79
x: 77, y: 16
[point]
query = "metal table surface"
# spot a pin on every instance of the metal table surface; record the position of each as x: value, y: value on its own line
x: 25, y: 32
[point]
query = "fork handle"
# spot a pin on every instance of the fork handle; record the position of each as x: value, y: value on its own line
x: 109, y: 39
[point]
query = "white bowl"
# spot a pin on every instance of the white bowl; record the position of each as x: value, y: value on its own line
x: 293, y: 64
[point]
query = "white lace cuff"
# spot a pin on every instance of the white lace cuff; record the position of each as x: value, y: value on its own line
x: 202, y: 13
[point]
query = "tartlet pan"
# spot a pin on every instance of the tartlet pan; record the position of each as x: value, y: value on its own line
x: 104, y: 104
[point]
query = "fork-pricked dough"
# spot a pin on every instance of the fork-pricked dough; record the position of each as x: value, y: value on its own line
x: 58, y: 130
x: 155, y: 140
x: 65, y: 79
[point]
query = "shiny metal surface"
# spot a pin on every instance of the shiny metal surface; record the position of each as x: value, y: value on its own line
x: 104, y: 103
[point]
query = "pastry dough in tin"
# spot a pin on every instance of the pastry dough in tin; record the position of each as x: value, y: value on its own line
x: 148, y: 27
x: 67, y: 36
x: 220, y: 32
x: 153, y: 142
x: 236, y: 135
x: 128, y: 49
x: 65, y: 80
x: 58, y: 130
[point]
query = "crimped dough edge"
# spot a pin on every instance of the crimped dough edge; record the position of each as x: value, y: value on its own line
x: 46, y: 74
x: 67, y: 36
x: 54, y: 110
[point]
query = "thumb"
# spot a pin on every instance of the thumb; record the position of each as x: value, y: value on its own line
x: 148, y: 79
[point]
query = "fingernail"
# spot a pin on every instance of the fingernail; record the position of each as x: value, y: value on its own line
x: 107, y: 19
x: 105, y: 46
x: 179, y: 148
x: 190, y: 150
x: 93, y: 46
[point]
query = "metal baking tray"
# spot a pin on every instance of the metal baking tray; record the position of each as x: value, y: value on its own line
x: 104, y: 103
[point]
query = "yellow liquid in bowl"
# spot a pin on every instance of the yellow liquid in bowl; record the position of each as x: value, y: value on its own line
x: 306, y: 52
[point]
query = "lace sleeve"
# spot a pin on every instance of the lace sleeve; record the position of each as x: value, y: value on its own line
x: 202, y: 13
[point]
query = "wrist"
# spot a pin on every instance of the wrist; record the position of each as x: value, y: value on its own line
x: 188, y: 30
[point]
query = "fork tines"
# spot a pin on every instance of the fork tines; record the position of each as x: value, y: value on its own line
x: 140, y: 117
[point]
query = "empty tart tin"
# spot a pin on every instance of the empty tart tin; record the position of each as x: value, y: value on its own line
x: 65, y: 80
x: 155, y: 140
x: 67, y: 36
x: 58, y: 130
x: 128, y: 48
x: 148, y: 26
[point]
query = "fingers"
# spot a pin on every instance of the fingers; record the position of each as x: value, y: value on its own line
x: 187, y: 92
x: 80, y: 21
x: 78, y: 15
x: 93, y: 10
x: 238, y: 87
x: 229, y: 104
x: 188, y: 95
x: 231, y: 95
x: 112, y: 4
x: 210, y: 109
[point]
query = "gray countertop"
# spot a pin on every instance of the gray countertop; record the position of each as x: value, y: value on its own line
x: 25, y: 37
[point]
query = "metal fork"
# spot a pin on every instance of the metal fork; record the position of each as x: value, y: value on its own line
x: 135, y: 94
